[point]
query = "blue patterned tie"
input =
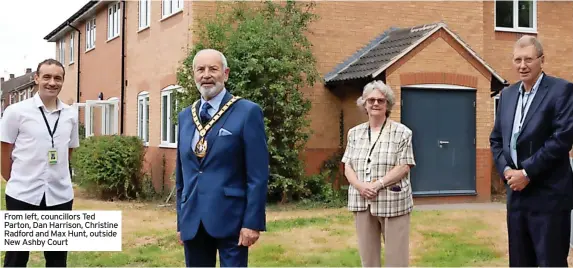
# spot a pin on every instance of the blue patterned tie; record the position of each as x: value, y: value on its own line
x: 205, y: 116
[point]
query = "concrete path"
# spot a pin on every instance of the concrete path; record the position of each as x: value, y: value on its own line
x: 461, y: 206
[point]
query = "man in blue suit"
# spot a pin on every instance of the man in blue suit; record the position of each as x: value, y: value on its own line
x: 222, y: 170
x: 530, y: 142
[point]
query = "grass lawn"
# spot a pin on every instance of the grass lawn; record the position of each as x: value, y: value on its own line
x: 298, y: 237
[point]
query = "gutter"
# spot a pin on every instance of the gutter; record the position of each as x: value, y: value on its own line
x: 79, y: 61
x: 123, y: 81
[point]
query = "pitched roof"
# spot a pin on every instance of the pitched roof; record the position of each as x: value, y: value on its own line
x: 17, y: 83
x: 388, y: 48
x: 64, y: 27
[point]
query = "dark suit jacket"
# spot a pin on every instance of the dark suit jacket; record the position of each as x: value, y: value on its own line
x: 542, y: 147
x: 227, y: 190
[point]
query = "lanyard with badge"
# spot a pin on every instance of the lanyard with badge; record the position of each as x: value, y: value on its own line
x: 369, y: 161
x: 52, y: 152
x: 521, y: 119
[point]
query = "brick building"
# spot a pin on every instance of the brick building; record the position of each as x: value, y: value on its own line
x: 445, y: 61
x: 16, y: 88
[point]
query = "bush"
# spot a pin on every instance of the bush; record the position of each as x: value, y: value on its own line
x: 320, y: 190
x: 110, y: 166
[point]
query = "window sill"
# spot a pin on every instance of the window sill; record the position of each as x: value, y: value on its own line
x: 90, y: 49
x: 516, y: 30
x: 111, y: 39
x: 71, y: 63
x: 168, y: 145
x: 171, y: 15
x: 142, y: 29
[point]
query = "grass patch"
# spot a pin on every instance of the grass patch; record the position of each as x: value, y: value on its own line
x: 323, y: 237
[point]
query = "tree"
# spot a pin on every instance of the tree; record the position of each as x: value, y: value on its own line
x: 271, y: 61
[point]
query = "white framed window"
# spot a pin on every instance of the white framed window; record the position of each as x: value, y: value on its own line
x: 62, y: 51
x: 168, y: 124
x: 169, y: 7
x: 22, y: 95
x: 516, y: 15
x: 72, y: 47
x: 143, y: 116
x: 144, y: 13
x: 90, y: 33
x: 113, y: 20
x: 495, y: 105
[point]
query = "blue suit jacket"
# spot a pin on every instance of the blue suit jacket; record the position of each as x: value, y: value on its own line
x: 542, y: 146
x: 227, y: 190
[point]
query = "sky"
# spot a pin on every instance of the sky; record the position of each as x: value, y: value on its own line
x: 23, y: 26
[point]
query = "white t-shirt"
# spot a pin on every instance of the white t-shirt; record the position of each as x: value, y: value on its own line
x: 32, y: 175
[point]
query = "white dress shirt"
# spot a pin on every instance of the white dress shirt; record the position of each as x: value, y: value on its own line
x: 32, y: 176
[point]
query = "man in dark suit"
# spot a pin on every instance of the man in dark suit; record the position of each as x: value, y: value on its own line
x: 530, y: 141
x: 222, y: 170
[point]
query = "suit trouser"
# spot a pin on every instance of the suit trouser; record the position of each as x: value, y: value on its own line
x: 395, y: 232
x: 20, y: 258
x: 201, y: 251
x: 538, y: 238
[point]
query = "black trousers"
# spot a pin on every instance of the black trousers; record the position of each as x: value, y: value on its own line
x: 538, y: 239
x: 20, y: 258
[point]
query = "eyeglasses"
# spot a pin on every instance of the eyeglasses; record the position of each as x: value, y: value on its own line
x: 527, y: 60
x: 371, y: 101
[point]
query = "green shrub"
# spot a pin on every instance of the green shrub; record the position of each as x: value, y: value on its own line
x: 110, y: 166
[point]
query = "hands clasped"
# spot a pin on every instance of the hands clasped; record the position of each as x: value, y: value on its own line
x: 516, y: 179
x: 368, y: 190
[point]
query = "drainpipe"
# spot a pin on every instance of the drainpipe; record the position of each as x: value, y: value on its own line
x: 79, y: 61
x: 123, y: 82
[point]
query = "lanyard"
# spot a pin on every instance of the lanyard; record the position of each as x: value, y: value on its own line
x: 523, y: 106
x: 369, y: 137
x: 48, y: 125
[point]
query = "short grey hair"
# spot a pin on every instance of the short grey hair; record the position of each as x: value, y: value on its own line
x: 528, y: 40
x: 384, y: 89
x: 223, y: 59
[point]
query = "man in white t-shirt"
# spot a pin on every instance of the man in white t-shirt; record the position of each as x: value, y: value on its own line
x: 37, y: 138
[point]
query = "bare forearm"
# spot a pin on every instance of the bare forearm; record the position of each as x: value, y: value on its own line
x: 351, y: 175
x: 6, y: 160
x: 396, y: 174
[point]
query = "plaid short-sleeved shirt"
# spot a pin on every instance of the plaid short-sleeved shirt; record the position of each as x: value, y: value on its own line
x: 393, y: 148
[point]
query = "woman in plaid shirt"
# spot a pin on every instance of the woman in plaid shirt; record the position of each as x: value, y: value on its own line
x: 378, y: 159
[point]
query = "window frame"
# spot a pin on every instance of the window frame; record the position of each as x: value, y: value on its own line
x: 113, y: 20
x: 495, y: 106
x: 90, y: 34
x: 72, y: 45
x: 143, y: 117
x: 515, y: 15
x: 168, y: 12
x: 62, y: 51
x: 147, y: 15
x: 168, y: 121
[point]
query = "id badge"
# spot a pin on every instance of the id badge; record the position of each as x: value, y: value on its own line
x: 514, y: 140
x: 52, y: 156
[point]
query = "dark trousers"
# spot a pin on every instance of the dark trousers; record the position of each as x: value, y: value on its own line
x: 538, y: 238
x: 201, y: 251
x: 20, y: 258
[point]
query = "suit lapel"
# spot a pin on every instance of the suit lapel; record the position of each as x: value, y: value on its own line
x: 214, y: 132
x: 539, y: 96
x: 512, y: 98
x: 192, y: 129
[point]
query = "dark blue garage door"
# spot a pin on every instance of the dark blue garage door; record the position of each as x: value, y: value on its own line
x: 443, y: 122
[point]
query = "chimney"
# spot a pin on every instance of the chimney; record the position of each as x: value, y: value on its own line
x: 11, y: 76
x: 28, y: 70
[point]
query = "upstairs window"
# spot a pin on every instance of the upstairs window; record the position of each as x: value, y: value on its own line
x: 516, y: 15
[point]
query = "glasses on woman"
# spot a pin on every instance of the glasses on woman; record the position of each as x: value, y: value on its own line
x: 371, y: 101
